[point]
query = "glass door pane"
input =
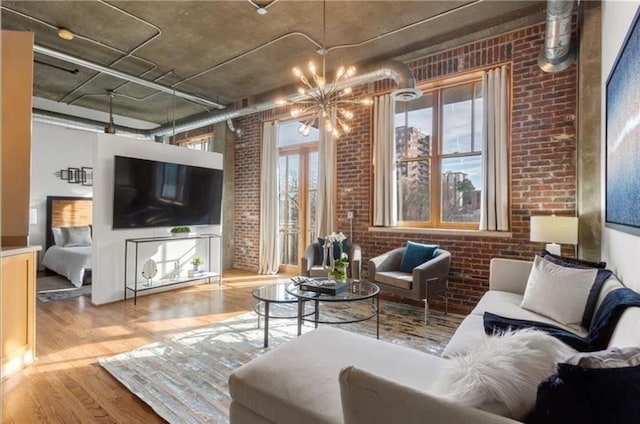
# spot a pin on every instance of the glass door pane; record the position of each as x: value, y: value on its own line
x: 312, y: 197
x: 289, y: 171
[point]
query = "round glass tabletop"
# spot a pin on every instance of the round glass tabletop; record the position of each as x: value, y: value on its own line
x: 356, y: 290
x: 276, y: 293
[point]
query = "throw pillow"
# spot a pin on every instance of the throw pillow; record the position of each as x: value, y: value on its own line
x: 336, y: 247
x: 501, y: 373
x: 76, y: 236
x: 600, y: 387
x: 58, y: 238
x: 558, y: 292
x: 571, y: 262
x: 416, y: 254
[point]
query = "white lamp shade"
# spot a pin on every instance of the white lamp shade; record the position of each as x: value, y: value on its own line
x: 33, y: 216
x: 554, y: 229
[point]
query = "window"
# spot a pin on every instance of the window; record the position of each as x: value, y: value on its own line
x: 200, y: 142
x: 438, y: 157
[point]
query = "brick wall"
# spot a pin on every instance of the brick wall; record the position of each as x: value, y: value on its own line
x: 543, y: 164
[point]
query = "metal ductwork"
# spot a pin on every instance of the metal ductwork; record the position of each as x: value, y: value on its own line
x: 124, y: 76
x: 397, y: 71
x: 559, y: 53
x: 83, y: 124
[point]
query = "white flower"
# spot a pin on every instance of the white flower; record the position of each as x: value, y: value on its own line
x: 344, y: 256
x: 337, y: 237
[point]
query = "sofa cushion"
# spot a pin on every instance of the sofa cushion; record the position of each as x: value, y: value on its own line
x: 416, y: 254
x: 398, y: 279
x: 508, y: 305
x: 298, y: 381
x: 501, y: 373
x: 602, y: 387
x: 558, y: 292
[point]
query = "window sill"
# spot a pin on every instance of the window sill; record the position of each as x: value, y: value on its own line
x: 442, y: 231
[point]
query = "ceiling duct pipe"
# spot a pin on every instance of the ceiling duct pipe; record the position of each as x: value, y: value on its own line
x: 83, y: 124
x: 559, y: 52
x: 124, y: 76
x: 396, y: 71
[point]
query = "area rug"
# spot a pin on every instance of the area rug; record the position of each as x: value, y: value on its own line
x: 58, y: 288
x: 184, y: 380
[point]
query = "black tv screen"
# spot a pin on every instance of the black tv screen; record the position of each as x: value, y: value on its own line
x: 149, y: 193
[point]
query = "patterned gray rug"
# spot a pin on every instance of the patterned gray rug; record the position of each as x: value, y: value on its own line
x: 184, y: 380
x: 54, y: 287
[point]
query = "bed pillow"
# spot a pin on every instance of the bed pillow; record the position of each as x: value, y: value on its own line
x: 416, y: 254
x: 597, y: 387
x: 501, y: 373
x: 58, y: 238
x: 558, y: 292
x: 76, y: 236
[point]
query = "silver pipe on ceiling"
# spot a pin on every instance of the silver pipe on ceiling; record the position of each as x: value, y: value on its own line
x: 558, y: 53
x: 84, y: 124
x: 122, y: 75
x: 396, y: 71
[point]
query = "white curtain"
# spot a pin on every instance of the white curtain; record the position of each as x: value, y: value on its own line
x: 269, y: 231
x: 326, y: 183
x: 494, y: 211
x: 384, y: 184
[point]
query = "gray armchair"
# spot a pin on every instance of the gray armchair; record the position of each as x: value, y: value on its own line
x: 426, y: 281
x: 311, y: 263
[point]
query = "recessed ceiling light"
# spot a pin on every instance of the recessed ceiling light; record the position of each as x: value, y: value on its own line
x: 261, y: 11
x: 65, y: 34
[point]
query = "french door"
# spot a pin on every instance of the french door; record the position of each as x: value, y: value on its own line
x: 297, y: 194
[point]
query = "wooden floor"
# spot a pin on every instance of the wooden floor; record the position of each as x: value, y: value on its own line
x: 66, y: 385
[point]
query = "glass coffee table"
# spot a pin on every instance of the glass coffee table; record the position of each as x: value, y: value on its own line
x: 357, y: 291
x: 275, y: 293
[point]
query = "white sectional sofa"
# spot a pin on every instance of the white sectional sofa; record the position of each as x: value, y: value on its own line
x: 330, y: 376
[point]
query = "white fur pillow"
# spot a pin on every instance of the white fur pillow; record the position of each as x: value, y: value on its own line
x: 502, y: 372
x: 558, y: 292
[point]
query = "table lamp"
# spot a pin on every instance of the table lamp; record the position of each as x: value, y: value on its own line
x: 554, y: 230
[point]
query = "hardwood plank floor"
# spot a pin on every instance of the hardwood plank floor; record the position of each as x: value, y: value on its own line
x: 66, y: 384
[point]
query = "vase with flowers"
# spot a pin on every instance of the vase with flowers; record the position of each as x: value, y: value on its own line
x: 335, y: 264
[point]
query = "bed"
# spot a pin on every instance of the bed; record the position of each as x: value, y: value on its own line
x: 72, y: 262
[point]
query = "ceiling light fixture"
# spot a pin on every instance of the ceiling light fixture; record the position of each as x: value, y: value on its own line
x: 65, y: 34
x: 261, y: 11
x: 327, y: 102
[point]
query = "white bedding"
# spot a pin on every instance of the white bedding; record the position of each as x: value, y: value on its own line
x: 69, y: 261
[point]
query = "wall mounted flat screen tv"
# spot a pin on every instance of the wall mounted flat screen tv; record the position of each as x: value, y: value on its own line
x: 149, y: 193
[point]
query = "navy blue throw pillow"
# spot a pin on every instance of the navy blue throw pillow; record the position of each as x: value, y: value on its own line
x: 416, y: 254
x: 589, y: 396
x: 572, y: 262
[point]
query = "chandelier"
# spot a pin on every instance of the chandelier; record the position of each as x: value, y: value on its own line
x: 327, y: 102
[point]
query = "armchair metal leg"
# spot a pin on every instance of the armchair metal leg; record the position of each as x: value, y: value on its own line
x: 426, y: 310
x: 446, y: 298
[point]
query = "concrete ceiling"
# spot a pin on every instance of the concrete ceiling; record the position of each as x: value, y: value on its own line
x: 224, y: 51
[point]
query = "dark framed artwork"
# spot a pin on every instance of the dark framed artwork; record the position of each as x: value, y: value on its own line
x: 622, y: 181
x: 87, y: 176
x: 74, y: 176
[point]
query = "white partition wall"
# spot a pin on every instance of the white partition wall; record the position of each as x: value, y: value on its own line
x: 108, y: 250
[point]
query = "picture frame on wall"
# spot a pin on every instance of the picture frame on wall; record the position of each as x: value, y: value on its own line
x: 74, y: 175
x: 622, y: 165
x: 87, y: 176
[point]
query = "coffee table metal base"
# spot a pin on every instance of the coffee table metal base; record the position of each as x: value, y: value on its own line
x: 375, y: 304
